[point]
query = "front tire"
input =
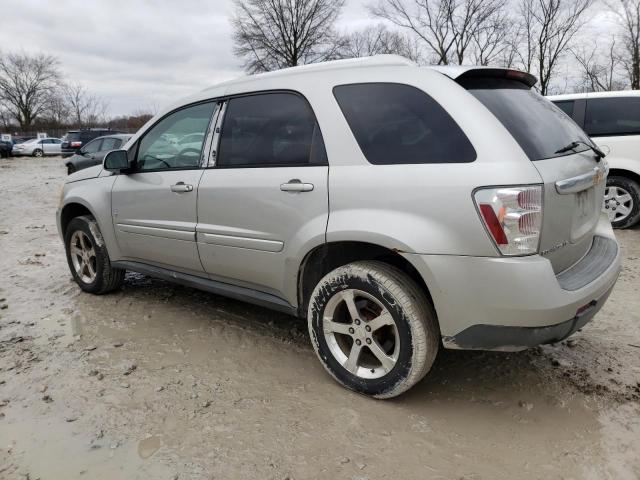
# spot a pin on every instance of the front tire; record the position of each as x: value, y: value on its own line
x: 622, y: 201
x: 373, y: 329
x: 71, y: 169
x: 38, y: 153
x: 88, y: 258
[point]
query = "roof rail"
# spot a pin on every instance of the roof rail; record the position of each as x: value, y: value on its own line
x: 384, y: 60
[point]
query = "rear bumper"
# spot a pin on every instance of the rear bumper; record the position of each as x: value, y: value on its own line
x: 502, y: 303
x: 498, y: 337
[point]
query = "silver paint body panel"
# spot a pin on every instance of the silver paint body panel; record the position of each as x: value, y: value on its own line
x: 239, y: 228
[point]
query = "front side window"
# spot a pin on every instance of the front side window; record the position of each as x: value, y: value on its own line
x: 613, y: 116
x: 270, y: 130
x: 110, y: 144
x: 159, y: 149
x: 93, y: 146
x: 399, y: 124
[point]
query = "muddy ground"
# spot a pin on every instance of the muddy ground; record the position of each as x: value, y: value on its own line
x: 161, y: 381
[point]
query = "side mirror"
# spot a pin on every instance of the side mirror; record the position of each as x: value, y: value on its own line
x: 116, y: 160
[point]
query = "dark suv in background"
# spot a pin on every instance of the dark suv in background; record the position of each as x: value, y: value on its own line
x: 75, y: 139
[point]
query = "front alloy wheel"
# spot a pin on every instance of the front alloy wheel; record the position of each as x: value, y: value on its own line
x: 38, y: 153
x: 83, y: 256
x: 88, y: 258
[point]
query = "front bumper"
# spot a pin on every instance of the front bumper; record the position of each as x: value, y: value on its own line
x: 512, y: 303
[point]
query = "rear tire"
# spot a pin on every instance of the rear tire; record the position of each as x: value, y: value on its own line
x: 373, y: 329
x: 622, y: 192
x: 38, y: 153
x: 88, y: 258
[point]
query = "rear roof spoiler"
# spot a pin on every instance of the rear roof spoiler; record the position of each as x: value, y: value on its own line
x: 461, y: 72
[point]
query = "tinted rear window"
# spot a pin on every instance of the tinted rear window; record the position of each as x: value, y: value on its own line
x: 399, y: 124
x: 539, y: 126
x: 566, y: 106
x: 270, y: 130
x: 613, y: 116
x: 72, y: 136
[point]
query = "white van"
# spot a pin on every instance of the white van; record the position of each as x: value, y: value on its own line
x: 612, y: 119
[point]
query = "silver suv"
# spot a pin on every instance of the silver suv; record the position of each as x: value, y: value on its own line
x: 397, y: 208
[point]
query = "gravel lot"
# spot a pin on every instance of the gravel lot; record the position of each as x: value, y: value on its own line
x: 161, y: 381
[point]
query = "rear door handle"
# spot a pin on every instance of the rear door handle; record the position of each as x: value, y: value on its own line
x: 180, y: 187
x: 296, y: 185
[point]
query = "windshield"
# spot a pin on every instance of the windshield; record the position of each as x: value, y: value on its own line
x: 540, y: 127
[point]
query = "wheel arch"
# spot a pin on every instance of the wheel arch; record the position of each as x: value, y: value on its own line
x: 621, y: 172
x: 69, y: 212
x: 329, y: 256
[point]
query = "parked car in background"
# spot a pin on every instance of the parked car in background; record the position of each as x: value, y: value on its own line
x: 397, y: 208
x: 5, y: 148
x: 73, y: 141
x: 93, y: 152
x: 612, y: 119
x: 38, y: 147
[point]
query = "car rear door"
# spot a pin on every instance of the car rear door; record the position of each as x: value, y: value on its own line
x: 265, y: 200
x: 154, y: 206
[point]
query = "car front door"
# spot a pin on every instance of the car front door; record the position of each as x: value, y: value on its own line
x: 154, y: 206
x: 266, y: 199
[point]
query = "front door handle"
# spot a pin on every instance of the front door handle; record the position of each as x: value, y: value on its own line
x: 181, y: 187
x: 296, y: 185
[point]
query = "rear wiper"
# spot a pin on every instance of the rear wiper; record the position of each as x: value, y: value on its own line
x: 573, y: 145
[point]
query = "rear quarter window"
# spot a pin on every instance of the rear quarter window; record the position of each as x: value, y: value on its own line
x: 399, y: 124
x: 540, y: 127
x: 613, y: 116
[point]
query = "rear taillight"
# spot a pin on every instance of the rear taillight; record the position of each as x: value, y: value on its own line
x: 512, y: 216
x: 76, y: 144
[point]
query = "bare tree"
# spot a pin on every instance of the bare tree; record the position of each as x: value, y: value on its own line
x: 628, y: 14
x: 378, y: 39
x: 273, y: 34
x: 600, y: 70
x: 57, y: 112
x: 27, y: 84
x: 449, y: 29
x: 87, y: 109
x: 496, y: 41
x: 549, y: 28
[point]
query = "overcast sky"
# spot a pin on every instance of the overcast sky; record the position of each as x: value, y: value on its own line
x: 136, y: 54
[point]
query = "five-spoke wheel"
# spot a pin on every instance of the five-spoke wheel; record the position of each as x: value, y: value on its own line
x: 373, y: 328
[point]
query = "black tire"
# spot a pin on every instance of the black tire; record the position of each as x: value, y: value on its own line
x: 106, y: 278
x: 414, y: 320
x: 38, y: 153
x: 630, y: 186
x: 71, y: 168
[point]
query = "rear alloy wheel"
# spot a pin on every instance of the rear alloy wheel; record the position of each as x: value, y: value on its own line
x: 373, y: 329
x: 622, y: 201
x: 38, y: 153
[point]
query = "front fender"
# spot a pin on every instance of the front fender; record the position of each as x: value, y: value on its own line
x: 94, y: 195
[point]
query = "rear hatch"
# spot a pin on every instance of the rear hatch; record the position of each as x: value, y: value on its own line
x: 71, y: 141
x: 574, y: 180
